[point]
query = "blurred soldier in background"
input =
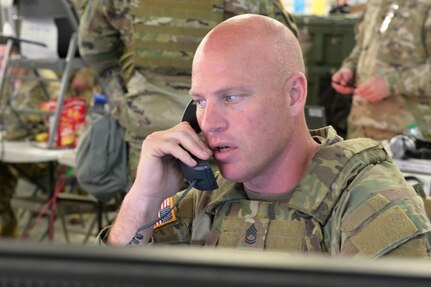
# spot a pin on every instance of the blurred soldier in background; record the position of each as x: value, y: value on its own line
x: 142, y: 52
x: 79, y: 6
x: 388, y: 70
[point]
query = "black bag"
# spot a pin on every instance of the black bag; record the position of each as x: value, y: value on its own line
x: 101, y: 159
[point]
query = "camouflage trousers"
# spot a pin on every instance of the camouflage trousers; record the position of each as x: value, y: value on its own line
x: 8, y: 181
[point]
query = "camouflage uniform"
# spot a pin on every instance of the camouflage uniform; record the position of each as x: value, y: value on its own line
x: 79, y: 6
x: 401, y: 55
x: 146, y: 98
x: 352, y: 200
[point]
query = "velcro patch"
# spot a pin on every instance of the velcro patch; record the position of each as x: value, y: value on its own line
x: 372, y: 206
x: 412, y: 248
x: 384, y: 231
x: 286, y: 235
x: 165, y: 210
x: 230, y: 230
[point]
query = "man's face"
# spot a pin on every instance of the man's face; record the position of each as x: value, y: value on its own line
x: 242, y: 111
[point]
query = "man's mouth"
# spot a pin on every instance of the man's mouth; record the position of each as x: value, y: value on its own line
x: 222, y: 148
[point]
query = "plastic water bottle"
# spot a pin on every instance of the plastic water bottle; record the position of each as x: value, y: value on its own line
x: 413, y: 130
x: 99, y: 106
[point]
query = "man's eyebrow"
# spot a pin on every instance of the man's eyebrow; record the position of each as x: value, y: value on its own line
x: 193, y: 94
x: 223, y: 91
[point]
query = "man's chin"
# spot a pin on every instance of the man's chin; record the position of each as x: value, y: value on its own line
x: 232, y: 173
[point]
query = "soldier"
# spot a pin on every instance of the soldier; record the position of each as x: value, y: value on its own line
x: 280, y: 186
x: 142, y: 51
x: 390, y: 68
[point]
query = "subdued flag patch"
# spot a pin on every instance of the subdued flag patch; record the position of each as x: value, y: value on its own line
x: 168, y: 215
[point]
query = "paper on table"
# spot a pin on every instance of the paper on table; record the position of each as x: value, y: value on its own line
x: 41, y: 30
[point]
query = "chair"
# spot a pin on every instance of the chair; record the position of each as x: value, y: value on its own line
x: 69, y: 203
x: 61, y: 204
x: 72, y: 203
x: 16, y: 152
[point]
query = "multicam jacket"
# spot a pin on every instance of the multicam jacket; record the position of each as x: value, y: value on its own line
x: 352, y: 200
x: 394, y: 41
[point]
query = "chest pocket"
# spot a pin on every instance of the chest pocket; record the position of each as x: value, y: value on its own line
x: 263, y: 225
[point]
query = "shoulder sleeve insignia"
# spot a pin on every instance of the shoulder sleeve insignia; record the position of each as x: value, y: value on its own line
x: 165, y: 211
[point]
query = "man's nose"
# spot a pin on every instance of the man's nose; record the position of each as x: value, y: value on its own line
x: 212, y: 118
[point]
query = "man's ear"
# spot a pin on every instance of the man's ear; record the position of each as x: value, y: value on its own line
x: 297, y: 89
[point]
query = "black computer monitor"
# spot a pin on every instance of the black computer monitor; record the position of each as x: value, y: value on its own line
x: 29, y: 264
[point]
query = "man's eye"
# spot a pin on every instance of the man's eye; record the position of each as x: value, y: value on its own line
x: 230, y: 98
x: 200, y: 103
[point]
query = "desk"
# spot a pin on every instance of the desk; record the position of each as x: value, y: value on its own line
x: 27, y: 152
x: 67, y: 157
x: 30, y: 152
x: 418, y: 168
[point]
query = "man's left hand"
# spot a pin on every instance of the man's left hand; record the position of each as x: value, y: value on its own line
x: 373, y: 90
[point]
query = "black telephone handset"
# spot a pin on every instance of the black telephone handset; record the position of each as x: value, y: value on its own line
x: 202, y: 172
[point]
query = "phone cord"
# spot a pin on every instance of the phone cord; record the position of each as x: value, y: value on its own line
x: 138, y: 236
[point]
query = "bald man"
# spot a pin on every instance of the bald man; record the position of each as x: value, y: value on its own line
x: 280, y: 186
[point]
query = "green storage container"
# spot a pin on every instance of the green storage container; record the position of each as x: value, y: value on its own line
x: 318, y: 79
x: 325, y: 42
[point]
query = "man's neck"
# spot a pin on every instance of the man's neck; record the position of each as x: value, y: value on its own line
x: 288, y: 171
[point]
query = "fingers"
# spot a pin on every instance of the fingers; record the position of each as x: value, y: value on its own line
x: 343, y: 77
x: 342, y: 81
x: 364, y: 91
x: 338, y: 78
x: 342, y: 89
x: 179, y: 142
x: 373, y: 90
x: 158, y: 174
x: 368, y: 94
